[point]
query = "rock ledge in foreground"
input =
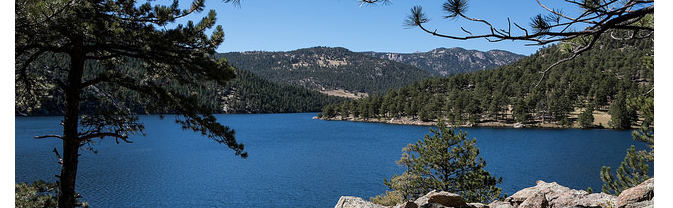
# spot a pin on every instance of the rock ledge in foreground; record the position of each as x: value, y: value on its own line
x: 543, y: 195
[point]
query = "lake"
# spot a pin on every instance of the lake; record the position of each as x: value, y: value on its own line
x: 295, y: 160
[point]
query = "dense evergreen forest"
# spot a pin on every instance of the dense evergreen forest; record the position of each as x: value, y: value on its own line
x: 600, y: 80
x: 326, y: 68
x: 247, y: 93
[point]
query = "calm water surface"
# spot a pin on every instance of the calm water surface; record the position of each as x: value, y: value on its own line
x: 296, y: 161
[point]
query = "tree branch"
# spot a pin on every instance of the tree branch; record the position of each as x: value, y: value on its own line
x: 60, y: 160
x: 621, y: 18
x: 575, y: 54
x: 115, y: 135
x: 49, y: 136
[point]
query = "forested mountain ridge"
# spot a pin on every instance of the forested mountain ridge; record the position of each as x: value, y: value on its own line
x: 447, y: 61
x: 325, y: 69
x: 599, y: 81
x: 247, y: 93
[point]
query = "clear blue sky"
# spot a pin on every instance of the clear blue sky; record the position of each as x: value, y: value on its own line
x: 274, y: 25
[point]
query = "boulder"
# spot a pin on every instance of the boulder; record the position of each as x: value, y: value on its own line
x: 583, y: 199
x: 447, y: 199
x: 407, y: 205
x: 542, y: 195
x: 477, y: 205
x: 500, y: 204
x: 638, y: 196
x: 550, y: 190
x: 433, y: 205
x: 441, y: 198
x: 355, y: 202
x: 554, y: 195
x: 537, y: 201
x: 642, y: 204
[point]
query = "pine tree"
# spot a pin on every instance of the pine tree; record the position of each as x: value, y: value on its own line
x: 622, y: 117
x: 105, y: 34
x: 635, y: 167
x: 631, y: 172
x: 38, y: 194
x: 446, y: 161
x: 586, y: 118
x: 405, y: 187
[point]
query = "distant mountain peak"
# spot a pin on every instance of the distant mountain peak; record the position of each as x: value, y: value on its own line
x: 443, y: 49
x: 329, y: 68
x: 338, y: 68
x: 445, y: 61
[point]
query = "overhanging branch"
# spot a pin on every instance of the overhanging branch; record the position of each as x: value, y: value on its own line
x: 115, y: 135
x: 49, y: 136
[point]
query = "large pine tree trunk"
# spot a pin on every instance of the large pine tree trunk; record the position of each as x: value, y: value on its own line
x: 68, y: 175
x: 71, y: 143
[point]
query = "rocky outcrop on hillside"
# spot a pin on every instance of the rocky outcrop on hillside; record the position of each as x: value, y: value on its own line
x: 446, y: 61
x: 543, y: 195
x: 327, y: 68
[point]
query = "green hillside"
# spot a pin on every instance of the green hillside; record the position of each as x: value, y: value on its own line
x: 327, y: 69
x: 598, y: 81
x: 247, y: 93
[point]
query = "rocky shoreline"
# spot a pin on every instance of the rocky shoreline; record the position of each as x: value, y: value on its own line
x: 417, y: 122
x: 543, y: 195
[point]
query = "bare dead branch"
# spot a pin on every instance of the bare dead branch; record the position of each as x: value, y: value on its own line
x: 60, y: 160
x: 49, y: 136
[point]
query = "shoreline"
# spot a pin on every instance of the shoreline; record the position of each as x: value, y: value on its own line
x: 601, y: 119
x: 486, y: 124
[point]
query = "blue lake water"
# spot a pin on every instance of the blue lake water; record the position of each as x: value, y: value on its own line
x: 297, y: 161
